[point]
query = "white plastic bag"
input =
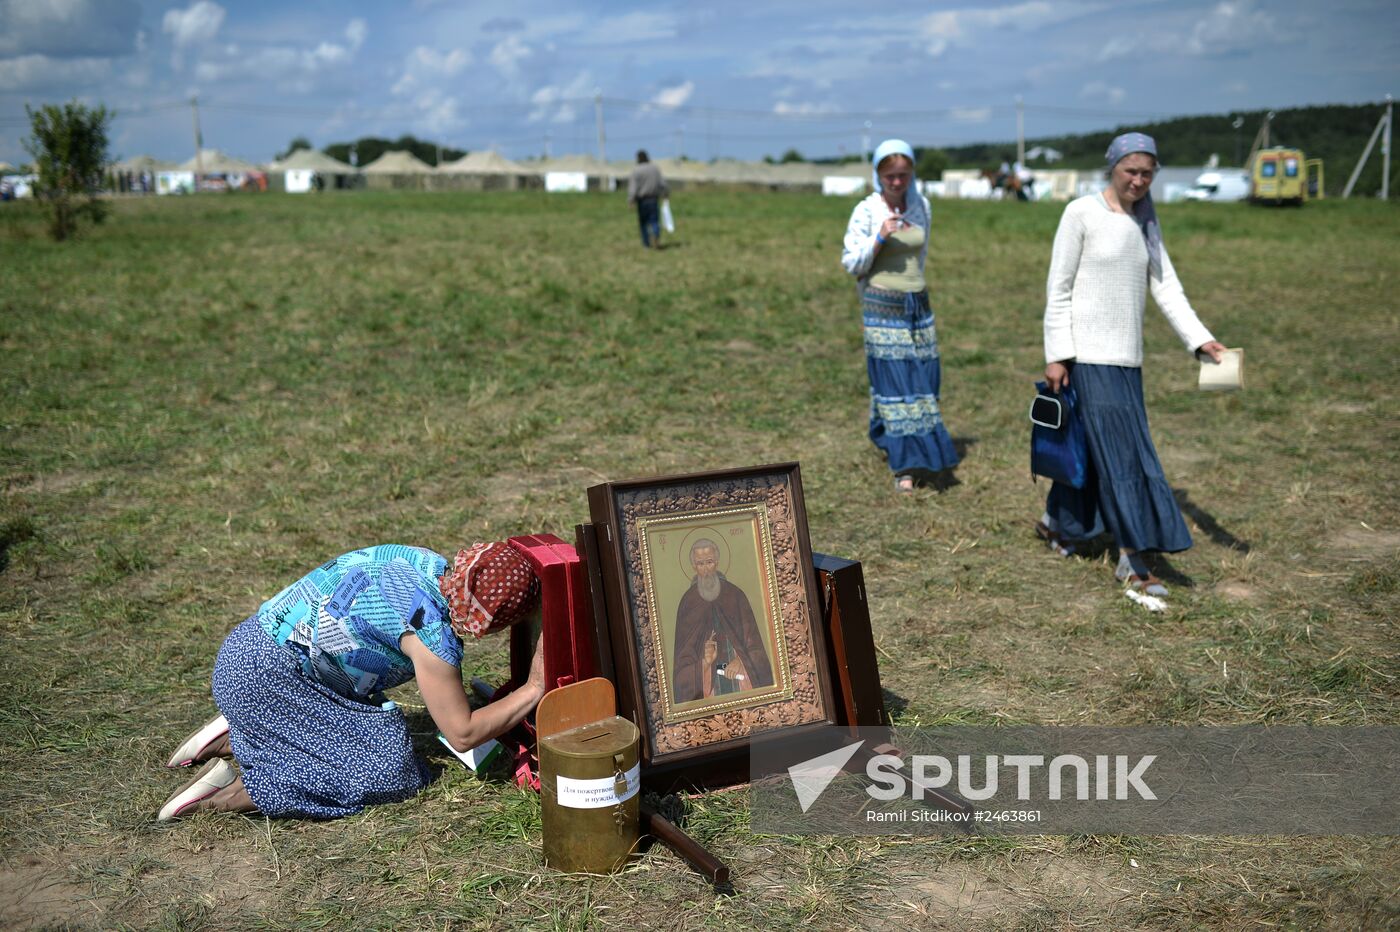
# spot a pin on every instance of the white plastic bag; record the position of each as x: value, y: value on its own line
x: 668, y: 222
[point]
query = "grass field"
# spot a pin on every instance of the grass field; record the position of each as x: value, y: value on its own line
x: 204, y: 398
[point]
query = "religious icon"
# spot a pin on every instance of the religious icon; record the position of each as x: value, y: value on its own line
x: 713, y: 613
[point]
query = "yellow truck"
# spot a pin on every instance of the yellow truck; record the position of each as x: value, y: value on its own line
x: 1285, y: 176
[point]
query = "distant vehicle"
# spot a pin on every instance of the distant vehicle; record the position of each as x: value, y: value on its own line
x: 1219, y: 186
x: 1285, y: 176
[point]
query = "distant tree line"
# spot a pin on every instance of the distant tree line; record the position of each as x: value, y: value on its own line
x: 1337, y: 134
x: 369, y: 148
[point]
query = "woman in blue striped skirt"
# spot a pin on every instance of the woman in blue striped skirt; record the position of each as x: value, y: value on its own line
x: 885, y: 247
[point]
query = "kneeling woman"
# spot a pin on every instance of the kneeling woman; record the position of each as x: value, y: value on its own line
x: 299, y: 685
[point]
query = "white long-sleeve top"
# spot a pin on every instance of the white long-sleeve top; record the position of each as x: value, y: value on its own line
x: 1098, y: 286
x: 858, y: 249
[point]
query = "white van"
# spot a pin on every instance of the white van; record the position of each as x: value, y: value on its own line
x: 1219, y: 186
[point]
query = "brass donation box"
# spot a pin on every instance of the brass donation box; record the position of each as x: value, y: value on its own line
x: 589, y: 783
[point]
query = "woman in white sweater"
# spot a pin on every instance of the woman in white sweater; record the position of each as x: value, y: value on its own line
x: 885, y: 246
x: 1108, y: 254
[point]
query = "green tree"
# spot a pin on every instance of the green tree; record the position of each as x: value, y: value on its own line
x: 792, y: 155
x: 69, y: 146
x: 930, y: 164
x: 301, y: 142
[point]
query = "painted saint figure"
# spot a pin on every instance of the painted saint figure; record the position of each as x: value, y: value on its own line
x: 719, y: 648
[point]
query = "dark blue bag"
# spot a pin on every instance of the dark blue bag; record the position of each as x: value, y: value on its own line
x: 1059, y: 450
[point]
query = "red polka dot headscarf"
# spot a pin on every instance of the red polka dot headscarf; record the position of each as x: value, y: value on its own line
x: 489, y: 587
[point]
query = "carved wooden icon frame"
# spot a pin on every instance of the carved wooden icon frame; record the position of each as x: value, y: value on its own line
x: 660, y: 542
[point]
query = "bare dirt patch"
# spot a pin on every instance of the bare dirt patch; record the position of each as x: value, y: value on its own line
x: 36, y: 895
x: 1359, y: 543
x: 1237, y: 591
x: 26, y: 483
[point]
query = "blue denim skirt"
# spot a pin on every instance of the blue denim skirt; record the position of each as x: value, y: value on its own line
x: 1127, y: 493
x: 304, y: 749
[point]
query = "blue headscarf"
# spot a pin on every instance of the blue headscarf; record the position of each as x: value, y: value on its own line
x: 1143, y: 211
x: 883, y: 151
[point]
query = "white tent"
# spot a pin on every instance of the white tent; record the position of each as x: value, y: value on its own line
x: 485, y: 162
x: 397, y: 162
x: 399, y: 170
x: 312, y: 160
x: 214, y: 162
x: 142, y: 163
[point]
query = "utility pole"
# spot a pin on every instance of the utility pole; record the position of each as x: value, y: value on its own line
x: 547, y: 136
x: 1261, y: 140
x: 1020, y: 131
x: 1238, y: 122
x: 1385, y: 148
x: 680, y: 143
x: 598, y: 117
x: 1381, y: 132
x: 198, y: 143
x: 865, y: 143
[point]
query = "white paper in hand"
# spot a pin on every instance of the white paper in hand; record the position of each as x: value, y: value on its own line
x: 1224, y: 376
x: 667, y: 220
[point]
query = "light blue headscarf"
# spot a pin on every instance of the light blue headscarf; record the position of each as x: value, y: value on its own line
x: 883, y: 151
x: 1144, y: 212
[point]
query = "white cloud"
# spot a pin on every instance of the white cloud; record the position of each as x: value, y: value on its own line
x: 199, y: 24
x: 783, y: 108
x: 356, y: 33
x: 437, y: 112
x: 674, y: 96
x: 1098, y: 90
x: 281, y: 62
x: 631, y: 27
x: 972, y: 114
x: 426, y: 65
x: 1232, y: 26
x: 558, y: 103
x: 41, y: 71
x: 68, y: 28
x: 508, y: 54
x: 948, y: 28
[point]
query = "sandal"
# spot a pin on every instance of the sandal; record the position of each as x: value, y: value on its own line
x: 1147, y: 585
x: 904, y: 485
x: 1053, y: 540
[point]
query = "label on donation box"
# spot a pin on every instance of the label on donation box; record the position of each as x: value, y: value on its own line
x: 600, y: 792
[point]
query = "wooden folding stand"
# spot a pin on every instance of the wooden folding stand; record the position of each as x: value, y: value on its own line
x: 851, y: 647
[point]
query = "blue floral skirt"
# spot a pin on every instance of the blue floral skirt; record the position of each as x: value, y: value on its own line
x: 1127, y: 493
x: 901, y: 356
x: 304, y: 749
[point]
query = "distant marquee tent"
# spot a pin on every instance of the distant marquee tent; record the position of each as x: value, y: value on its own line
x: 397, y: 170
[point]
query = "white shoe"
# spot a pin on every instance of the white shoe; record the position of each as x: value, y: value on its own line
x: 212, y: 777
x: 188, y: 752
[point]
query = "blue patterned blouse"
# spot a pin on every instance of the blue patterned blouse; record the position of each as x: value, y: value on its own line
x: 346, y: 617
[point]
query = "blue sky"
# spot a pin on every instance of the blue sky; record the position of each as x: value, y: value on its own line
x: 710, y: 79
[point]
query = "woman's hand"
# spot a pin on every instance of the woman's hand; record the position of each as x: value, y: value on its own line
x: 536, y: 680
x: 892, y: 225
x: 1056, y: 376
x: 1213, y: 349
